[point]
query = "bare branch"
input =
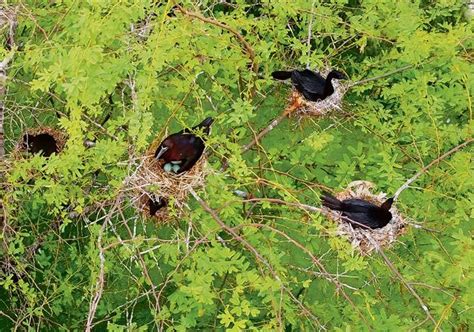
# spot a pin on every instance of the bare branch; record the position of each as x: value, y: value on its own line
x: 390, y: 73
x: 99, y: 286
x: 434, y: 162
x: 271, y: 126
x: 310, y: 34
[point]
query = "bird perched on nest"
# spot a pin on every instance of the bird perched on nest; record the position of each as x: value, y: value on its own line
x: 180, y: 151
x: 41, y: 143
x: 309, y: 83
x: 361, y: 211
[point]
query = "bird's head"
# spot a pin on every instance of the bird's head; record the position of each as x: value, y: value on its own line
x: 338, y: 75
x: 165, y: 146
x: 387, y: 204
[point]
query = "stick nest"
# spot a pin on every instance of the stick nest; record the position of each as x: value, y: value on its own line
x: 363, y: 239
x: 323, y: 107
x: 58, y: 136
x: 150, y: 181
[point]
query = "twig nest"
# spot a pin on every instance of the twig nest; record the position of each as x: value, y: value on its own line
x: 167, y: 190
x: 44, y: 140
x: 364, y: 239
x: 322, y: 107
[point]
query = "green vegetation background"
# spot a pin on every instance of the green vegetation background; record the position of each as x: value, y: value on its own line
x: 74, y: 248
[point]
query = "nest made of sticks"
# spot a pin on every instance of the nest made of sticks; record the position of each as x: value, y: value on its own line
x: 364, y: 239
x: 322, y: 107
x: 150, y: 181
x: 45, y: 140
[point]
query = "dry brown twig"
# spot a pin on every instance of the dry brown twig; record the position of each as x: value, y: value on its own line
x: 7, y: 18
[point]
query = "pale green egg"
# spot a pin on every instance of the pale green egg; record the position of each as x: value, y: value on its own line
x: 167, y: 167
x: 176, y: 168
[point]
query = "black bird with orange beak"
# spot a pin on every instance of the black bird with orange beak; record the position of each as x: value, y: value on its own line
x: 180, y: 151
x: 309, y: 83
x: 361, y: 211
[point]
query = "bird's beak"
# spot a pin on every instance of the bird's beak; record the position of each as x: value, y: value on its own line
x: 162, y: 151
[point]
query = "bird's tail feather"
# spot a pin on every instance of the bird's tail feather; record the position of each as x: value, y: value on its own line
x: 281, y: 75
x: 205, y: 124
x: 331, y: 202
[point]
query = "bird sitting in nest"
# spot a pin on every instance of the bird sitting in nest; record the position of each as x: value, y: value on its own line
x: 360, y: 212
x: 309, y: 83
x: 180, y: 151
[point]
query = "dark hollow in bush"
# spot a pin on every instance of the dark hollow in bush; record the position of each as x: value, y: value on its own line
x: 41, y: 143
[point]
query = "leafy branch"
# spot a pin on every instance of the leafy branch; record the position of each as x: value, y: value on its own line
x: 253, y: 250
x: 248, y: 49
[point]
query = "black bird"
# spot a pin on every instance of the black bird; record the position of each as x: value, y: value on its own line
x: 155, y: 204
x: 180, y: 151
x: 309, y: 83
x: 361, y: 211
x: 41, y: 143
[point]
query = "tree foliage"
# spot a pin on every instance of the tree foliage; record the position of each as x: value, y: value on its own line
x: 75, y: 252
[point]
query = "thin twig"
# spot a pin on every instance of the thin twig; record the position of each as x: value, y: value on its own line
x: 301, y: 206
x: 315, y: 260
x: 424, y: 169
x: 228, y: 229
x: 248, y: 49
x: 270, y: 127
x: 99, y: 286
x: 390, y: 73
x: 310, y: 35
x: 3, y: 79
x: 8, y: 17
x: 400, y: 277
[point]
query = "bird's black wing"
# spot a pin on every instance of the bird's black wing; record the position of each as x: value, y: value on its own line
x: 309, y: 81
x: 357, y: 205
